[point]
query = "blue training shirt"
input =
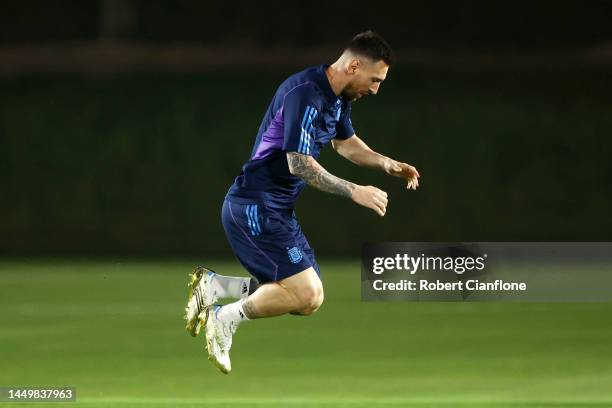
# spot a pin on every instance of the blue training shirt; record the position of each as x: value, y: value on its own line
x: 304, y: 116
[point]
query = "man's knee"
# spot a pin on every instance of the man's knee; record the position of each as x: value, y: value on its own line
x: 307, y: 291
x: 311, y: 299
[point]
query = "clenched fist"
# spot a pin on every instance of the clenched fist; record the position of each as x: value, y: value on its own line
x: 371, y: 197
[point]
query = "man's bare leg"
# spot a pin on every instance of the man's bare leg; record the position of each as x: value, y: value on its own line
x: 301, y: 293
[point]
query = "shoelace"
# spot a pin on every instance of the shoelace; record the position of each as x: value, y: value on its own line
x: 199, y: 295
x: 228, y: 332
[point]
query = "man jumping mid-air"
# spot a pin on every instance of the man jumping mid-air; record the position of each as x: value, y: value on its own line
x: 309, y: 109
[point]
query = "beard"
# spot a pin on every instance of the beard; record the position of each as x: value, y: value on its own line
x: 351, y: 95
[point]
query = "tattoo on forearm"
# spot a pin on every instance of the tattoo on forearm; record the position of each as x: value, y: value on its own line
x: 315, y: 175
x: 249, y: 310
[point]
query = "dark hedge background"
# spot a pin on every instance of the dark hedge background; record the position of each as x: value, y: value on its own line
x: 138, y: 164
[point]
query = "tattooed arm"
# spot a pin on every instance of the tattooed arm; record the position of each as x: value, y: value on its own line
x: 308, y: 169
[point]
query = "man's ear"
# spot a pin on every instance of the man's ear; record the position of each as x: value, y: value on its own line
x: 353, y: 65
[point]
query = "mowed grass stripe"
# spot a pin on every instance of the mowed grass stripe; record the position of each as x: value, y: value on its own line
x: 115, y: 332
x: 340, y: 402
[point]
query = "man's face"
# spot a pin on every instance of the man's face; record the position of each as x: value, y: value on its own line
x: 366, y: 78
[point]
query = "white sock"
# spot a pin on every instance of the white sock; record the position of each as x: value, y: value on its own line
x: 231, y: 286
x: 232, y: 312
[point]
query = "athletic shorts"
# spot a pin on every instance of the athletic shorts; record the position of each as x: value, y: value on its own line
x: 268, y: 242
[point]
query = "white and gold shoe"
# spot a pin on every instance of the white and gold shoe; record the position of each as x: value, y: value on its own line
x: 201, y: 297
x: 218, y: 339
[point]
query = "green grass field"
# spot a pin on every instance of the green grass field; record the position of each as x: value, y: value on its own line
x: 114, y: 330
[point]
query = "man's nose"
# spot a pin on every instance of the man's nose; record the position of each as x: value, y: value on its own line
x: 374, y: 89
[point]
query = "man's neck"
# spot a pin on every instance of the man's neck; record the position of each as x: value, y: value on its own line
x: 334, y: 76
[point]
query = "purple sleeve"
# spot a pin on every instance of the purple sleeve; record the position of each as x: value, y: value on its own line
x: 300, y: 114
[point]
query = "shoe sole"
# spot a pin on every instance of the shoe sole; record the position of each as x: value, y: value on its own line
x: 195, y: 277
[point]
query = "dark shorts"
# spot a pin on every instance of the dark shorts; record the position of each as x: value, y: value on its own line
x: 268, y: 242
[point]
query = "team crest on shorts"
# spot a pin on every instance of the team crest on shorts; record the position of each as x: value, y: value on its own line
x: 295, y: 255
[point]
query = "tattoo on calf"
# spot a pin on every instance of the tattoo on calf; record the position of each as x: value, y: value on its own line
x: 315, y: 175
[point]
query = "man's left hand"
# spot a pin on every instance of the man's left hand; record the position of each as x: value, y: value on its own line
x: 405, y: 171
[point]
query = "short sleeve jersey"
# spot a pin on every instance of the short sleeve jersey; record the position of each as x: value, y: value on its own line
x: 303, y: 117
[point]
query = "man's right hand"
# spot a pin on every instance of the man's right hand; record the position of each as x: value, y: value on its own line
x: 371, y: 197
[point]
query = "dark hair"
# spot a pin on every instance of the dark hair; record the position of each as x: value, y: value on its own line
x: 371, y: 45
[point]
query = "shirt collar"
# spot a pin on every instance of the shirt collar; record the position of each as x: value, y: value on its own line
x: 326, y: 86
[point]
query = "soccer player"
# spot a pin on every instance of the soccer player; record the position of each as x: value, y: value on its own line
x: 309, y: 110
